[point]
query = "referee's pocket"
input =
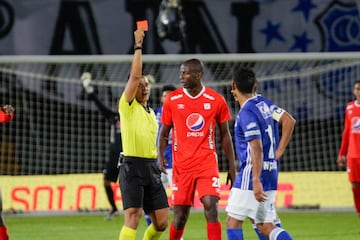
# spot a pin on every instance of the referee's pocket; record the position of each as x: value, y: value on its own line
x: 156, y: 169
x: 156, y: 174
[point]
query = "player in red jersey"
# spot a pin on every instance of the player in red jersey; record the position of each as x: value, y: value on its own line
x: 350, y: 145
x: 192, y: 112
x: 6, y: 115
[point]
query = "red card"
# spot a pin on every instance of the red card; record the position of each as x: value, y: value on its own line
x: 142, y: 24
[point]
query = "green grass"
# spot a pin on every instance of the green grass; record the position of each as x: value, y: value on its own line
x: 307, y: 225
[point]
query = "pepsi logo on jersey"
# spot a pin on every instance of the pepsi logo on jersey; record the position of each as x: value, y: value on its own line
x: 195, y: 122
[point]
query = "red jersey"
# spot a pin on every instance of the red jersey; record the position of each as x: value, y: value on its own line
x: 193, y: 121
x: 350, y: 145
x: 4, y: 117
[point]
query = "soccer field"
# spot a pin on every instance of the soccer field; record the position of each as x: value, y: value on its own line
x: 303, y: 225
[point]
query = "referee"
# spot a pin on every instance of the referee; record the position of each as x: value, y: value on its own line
x: 140, y: 177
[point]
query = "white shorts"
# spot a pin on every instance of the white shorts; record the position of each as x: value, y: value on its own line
x: 242, y: 204
x: 167, y: 178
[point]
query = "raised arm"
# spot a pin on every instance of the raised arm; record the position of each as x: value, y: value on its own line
x: 136, y: 67
x: 90, y: 91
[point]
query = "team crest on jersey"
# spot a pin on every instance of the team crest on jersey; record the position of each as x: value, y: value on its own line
x: 207, y: 106
x: 264, y: 109
x: 195, y: 122
x: 355, y: 125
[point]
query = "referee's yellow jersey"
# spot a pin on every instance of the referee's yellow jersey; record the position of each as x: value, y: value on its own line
x: 138, y: 129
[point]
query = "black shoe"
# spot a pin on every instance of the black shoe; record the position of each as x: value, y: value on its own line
x: 112, y: 214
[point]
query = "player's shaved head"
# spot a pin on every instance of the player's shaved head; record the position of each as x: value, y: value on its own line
x: 194, y: 65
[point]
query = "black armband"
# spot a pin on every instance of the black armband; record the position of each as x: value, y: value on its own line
x: 137, y: 48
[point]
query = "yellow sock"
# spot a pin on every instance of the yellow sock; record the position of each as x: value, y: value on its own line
x: 127, y: 233
x: 151, y: 233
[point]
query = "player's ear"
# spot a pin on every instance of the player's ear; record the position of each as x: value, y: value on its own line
x: 198, y: 75
x: 233, y: 86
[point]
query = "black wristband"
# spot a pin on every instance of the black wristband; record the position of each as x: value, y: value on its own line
x: 137, y: 48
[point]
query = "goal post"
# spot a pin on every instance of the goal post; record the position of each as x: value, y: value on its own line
x: 58, y: 130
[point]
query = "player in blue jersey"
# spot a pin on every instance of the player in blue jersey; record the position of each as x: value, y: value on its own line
x: 287, y: 125
x: 256, y: 136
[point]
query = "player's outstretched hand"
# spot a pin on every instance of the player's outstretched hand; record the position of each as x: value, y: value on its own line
x: 8, y: 109
x: 86, y: 82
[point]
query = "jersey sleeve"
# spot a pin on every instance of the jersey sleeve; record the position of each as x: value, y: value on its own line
x: 166, y: 116
x: 224, y: 112
x: 122, y: 102
x: 250, y: 125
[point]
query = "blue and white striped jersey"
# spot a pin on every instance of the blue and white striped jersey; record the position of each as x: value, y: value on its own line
x: 255, y: 121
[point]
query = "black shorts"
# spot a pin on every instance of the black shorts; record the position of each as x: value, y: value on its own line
x: 111, y: 170
x: 141, y: 186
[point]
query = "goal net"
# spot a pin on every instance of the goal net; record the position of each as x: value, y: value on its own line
x: 58, y: 130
